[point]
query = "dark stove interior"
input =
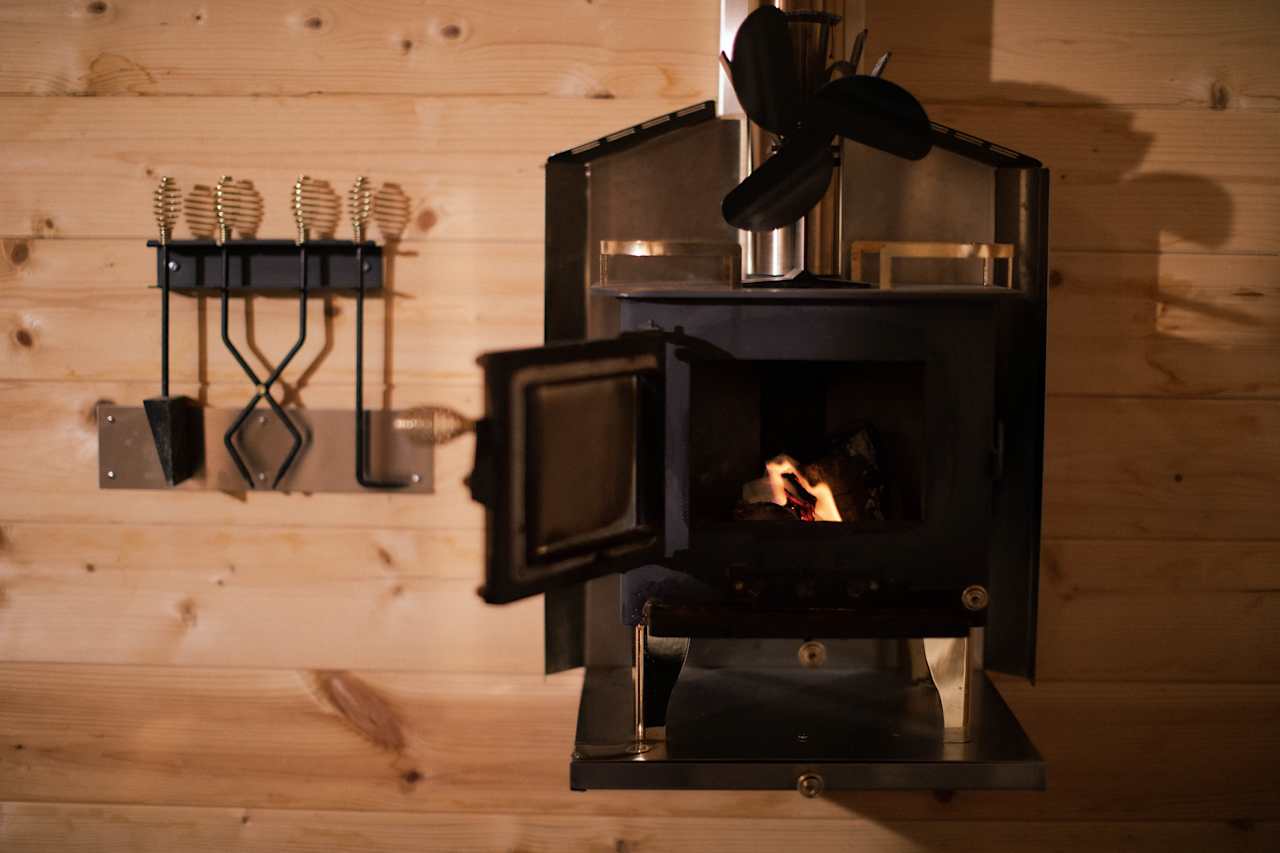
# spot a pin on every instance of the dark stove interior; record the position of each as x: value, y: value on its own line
x: 746, y: 413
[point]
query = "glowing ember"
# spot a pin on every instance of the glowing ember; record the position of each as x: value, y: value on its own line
x: 782, y: 472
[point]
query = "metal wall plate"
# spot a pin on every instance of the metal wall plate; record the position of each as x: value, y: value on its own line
x: 127, y: 454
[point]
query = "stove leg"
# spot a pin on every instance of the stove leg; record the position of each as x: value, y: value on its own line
x: 639, y: 745
x: 953, y: 661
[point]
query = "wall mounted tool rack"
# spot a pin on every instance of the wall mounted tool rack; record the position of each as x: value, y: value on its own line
x: 176, y: 442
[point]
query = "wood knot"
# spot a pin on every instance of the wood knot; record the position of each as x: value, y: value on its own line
x: 314, y: 22
x: 19, y: 252
x: 187, y: 612
x: 426, y: 220
x: 97, y: 7
x: 406, y: 45
x: 412, y: 777
x: 362, y: 708
x: 602, y: 95
x: 23, y: 337
x: 450, y: 32
x: 1177, y: 478
x: 1219, y: 96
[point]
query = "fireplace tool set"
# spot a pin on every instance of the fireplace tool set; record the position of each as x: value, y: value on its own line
x: 174, y: 440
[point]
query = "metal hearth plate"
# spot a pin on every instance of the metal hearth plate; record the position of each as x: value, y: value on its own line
x: 127, y: 454
x: 763, y: 729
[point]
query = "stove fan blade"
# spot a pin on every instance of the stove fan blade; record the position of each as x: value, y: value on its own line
x: 763, y: 70
x: 876, y: 113
x: 860, y: 107
x: 785, y: 187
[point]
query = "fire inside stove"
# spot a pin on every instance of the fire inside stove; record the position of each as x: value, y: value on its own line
x: 795, y: 441
x: 843, y: 485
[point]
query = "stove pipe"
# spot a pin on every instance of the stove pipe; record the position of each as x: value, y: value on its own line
x: 822, y: 31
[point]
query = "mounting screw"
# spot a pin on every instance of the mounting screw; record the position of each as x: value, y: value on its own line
x: 366, y: 266
x: 262, y: 420
x: 975, y: 597
x: 812, y: 654
x: 111, y: 419
x: 810, y: 785
x: 416, y: 478
x: 262, y: 476
x: 111, y: 475
x: 174, y: 266
x: 802, y: 737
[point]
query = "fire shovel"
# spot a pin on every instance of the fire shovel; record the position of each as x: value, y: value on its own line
x: 177, y: 424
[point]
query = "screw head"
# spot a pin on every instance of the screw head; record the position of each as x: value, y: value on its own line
x: 111, y: 419
x: 812, y: 654
x: 262, y: 476
x: 367, y: 267
x: 416, y: 478
x: 975, y: 597
x: 111, y: 475
x: 262, y: 419
x: 810, y: 785
x: 174, y: 266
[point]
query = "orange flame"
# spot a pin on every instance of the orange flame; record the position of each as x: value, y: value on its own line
x: 779, y: 466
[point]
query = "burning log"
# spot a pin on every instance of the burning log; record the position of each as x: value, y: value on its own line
x: 843, y: 485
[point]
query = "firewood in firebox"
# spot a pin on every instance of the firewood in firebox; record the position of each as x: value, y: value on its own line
x: 852, y: 470
x: 848, y: 474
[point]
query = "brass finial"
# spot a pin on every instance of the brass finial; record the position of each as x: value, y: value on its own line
x: 167, y: 206
x: 433, y: 425
x: 315, y: 208
x: 238, y: 208
x: 360, y: 206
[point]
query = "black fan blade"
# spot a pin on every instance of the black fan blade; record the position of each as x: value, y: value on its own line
x: 876, y: 113
x: 784, y: 188
x: 764, y: 70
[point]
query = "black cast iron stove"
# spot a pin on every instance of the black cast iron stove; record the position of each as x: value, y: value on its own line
x: 781, y: 483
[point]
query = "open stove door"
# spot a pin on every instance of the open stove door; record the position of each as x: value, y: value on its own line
x: 569, y: 463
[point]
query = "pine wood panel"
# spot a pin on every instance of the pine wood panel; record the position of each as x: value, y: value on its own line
x: 405, y: 599
x: 1185, y: 53
x: 1193, y: 54
x: 34, y: 827
x: 1116, y: 468
x: 601, y: 49
x: 1140, y: 180
x: 1170, y: 324
x: 1120, y: 324
x: 472, y: 743
x: 1172, y: 469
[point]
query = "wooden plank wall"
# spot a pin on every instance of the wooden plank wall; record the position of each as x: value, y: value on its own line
x: 208, y: 672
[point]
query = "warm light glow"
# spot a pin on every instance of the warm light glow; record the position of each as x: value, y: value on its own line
x: 779, y: 467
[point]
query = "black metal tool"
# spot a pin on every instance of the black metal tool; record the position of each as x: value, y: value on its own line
x: 176, y: 423
x: 360, y: 207
x: 864, y: 108
x: 237, y: 204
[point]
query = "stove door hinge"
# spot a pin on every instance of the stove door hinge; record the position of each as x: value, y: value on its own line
x: 997, y: 452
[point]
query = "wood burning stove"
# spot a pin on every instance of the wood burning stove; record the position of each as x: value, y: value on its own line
x: 788, y: 522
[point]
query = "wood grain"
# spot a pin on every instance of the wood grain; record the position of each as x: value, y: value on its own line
x: 1115, y: 468
x: 36, y: 827
x: 483, y: 744
x: 1143, y: 324
x: 151, y: 47
x: 1182, y: 325
x: 1190, y: 54
x: 1134, y: 180
x: 1172, y: 469
x: 405, y: 599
